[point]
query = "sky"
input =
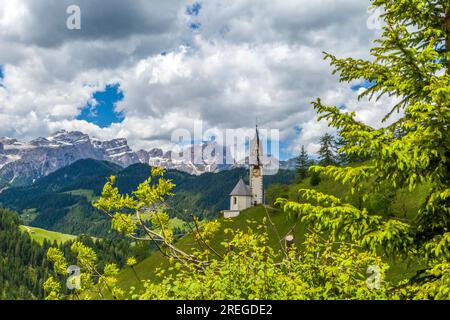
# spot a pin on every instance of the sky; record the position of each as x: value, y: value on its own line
x: 141, y: 69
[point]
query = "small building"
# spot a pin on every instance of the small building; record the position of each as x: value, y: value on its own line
x: 240, y: 199
x: 243, y: 196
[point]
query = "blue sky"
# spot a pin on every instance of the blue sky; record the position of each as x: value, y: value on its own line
x: 103, y: 114
x: 365, y: 84
x: 2, y: 75
x: 194, y: 9
x: 195, y: 25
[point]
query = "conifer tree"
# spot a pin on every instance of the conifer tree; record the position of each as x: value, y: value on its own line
x: 326, y: 152
x: 302, y: 165
x: 411, y: 63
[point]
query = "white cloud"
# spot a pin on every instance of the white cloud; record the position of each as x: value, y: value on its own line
x: 248, y: 60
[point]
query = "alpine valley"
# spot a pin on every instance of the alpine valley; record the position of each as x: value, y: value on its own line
x: 62, y: 201
x: 22, y: 163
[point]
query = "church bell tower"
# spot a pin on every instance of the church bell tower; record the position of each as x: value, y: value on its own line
x: 256, y: 170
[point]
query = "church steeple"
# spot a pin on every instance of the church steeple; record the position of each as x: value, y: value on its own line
x: 258, y: 147
x: 256, y: 151
x: 256, y: 167
x: 243, y: 197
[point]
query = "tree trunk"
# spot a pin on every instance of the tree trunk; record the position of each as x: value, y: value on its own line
x: 289, y: 242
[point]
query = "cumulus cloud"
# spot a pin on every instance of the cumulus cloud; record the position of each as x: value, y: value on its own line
x: 43, y: 22
x: 245, y: 61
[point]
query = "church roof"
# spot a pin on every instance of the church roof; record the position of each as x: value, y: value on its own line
x: 241, y: 189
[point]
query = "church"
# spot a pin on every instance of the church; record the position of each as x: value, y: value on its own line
x: 244, y: 196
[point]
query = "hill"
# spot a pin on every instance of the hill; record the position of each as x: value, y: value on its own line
x: 403, y: 204
x: 249, y: 219
x: 386, y: 202
x: 62, y: 201
x: 24, y: 265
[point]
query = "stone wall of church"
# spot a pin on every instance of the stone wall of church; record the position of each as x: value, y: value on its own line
x: 239, y: 203
x: 257, y: 190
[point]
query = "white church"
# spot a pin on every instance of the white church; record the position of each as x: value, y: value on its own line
x: 245, y: 196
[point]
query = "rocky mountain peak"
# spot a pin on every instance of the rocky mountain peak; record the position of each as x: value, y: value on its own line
x: 22, y: 163
x: 73, y: 137
x: 156, y: 152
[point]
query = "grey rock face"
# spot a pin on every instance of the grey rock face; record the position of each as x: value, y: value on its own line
x: 143, y: 156
x: 117, y: 151
x: 22, y: 163
x: 195, y: 160
x: 155, y: 153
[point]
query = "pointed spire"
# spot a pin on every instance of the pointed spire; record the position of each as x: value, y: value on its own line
x: 256, y: 152
x: 258, y: 146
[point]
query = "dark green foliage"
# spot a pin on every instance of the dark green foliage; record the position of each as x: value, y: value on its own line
x: 57, y: 209
x: 344, y: 158
x: 315, y: 179
x: 276, y: 191
x: 24, y: 265
x: 302, y: 165
x: 382, y: 199
x: 83, y: 174
x: 327, y: 155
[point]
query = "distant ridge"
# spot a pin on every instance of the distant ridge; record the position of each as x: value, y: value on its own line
x: 22, y: 163
x: 62, y: 200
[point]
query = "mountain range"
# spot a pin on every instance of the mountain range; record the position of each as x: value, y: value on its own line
x: 22, y: 163
x: 62, y: 201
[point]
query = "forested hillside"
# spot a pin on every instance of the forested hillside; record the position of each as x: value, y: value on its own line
x: 24, y: 265
x: 62, y: 200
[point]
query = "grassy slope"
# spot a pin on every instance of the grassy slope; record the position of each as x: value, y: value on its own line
x: 250, y: 218
x: 405, y: 204
x: 40, y: 235
x: 88, y: 194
